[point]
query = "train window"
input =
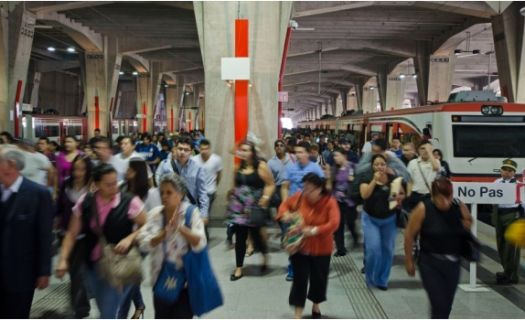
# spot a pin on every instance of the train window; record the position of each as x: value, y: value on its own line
x: 507, y: 143
x: 47, y: 131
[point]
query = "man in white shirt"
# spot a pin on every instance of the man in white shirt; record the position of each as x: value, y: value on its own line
x: 367, y: 147
x: 121, y: 160
x: 212, y: 164
x: 37, y: 167
x: 423, y: 170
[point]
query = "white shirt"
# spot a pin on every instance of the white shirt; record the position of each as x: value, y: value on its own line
x: 212, y: 168
x: 419, y: 184
x: 36, y: 166
x: 15, y: 186
x: 367, y: 147
x: 506, y: 205
x: 121, y: 164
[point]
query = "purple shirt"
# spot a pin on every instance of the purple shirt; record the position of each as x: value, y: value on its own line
x: 64, y: 167
x: 342, y: 185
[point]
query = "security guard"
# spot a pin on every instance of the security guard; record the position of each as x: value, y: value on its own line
x: 502, y: 216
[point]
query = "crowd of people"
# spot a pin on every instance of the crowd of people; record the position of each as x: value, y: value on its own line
x: 152, y: 195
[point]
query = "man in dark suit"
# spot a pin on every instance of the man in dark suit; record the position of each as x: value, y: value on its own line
x: 25, y: 236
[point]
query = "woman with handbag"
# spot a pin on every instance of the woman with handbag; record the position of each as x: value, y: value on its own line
x: 248, y: 207
x: 311, y: 261
x: 378, y: 221
x: 138, y: 184
x: 340, y: 179
x: 72, y: 189
x: 107, y: 218
x: 168, y: 239
x: 442, y: 224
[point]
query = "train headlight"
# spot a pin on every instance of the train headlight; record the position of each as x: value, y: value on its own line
x: 489, y: 110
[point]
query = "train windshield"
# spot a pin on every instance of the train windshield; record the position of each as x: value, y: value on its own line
x: 489, y: 141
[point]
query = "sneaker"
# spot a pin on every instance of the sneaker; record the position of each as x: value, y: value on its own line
x: 340, y: 254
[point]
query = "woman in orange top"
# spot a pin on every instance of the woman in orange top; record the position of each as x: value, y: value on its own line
x: 311, y: 263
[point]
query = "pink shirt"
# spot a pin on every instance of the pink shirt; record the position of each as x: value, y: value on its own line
x: 135, y: 208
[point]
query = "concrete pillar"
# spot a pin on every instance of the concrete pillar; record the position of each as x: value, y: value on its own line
x: 369, y: 100
x: 171, y: 108
x: 382, y: 84
x: 395, y: 92
x: 21, y: 29
x: 441, y: 75
x: 359, y: 87
x: 344, y: 98
x: 148, y: 89
x: 422, y: 63
x: 508, y: 31
x: 4, y: 74
x: 96, y: 90
x: 268, y: 22
x: 101, y: 74
x: 35, y: 89
x: 333, y: 102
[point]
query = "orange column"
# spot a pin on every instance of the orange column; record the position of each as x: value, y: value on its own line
x: 241, y: 86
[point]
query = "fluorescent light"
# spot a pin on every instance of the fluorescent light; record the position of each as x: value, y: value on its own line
x: 135, y: 73
x: 401, y: 76
x: 121, y: 72
x: 71, y: 49
x: 52, y: 49
x: 165, y: 86
x: 414, y: 76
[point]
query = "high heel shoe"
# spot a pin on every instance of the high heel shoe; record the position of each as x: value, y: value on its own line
x: 139, y: 313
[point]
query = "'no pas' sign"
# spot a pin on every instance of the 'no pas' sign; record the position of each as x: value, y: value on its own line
x: 488, y: 193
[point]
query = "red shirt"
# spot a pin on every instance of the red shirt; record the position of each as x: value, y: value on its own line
x: 324, y: 215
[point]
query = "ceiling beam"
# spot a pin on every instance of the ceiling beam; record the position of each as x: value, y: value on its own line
x: 65, y: 6
x: 464, y: 8
x: 337, y: 8
x: 86, y: 38
x: 140, y: 64
x: 49, y: 66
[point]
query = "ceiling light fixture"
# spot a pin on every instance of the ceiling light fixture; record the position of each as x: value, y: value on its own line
x: 402, y: 76
x: 135, y: 73
x: 121, y: 73
x: 51, y: 49
x: 71, y: 50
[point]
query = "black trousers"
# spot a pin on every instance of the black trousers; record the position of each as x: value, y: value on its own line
x: 79, y: 296
x: 15, y: 305
x: 313, y: 270
x: 180, y: 309
x: 440, y: 279
x: 348, y: 218
x: 241, y: 235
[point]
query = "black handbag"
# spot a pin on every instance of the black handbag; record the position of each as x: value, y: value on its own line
x: 259, y: 216
x: 470, y: 247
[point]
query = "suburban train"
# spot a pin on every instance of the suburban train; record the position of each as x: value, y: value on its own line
x: 475, y: 137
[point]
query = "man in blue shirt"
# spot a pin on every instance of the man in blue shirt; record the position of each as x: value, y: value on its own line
x: 293, y: 178
x: 194, y: 175
x: 148, y: 151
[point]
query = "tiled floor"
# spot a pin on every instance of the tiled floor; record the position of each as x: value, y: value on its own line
x: 256, y: 296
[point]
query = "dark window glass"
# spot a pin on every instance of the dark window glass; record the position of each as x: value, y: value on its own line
x: 489, y: 141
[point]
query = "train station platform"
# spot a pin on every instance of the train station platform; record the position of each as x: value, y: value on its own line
x: 266, y: 296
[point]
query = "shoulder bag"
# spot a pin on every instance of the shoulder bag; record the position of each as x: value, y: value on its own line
x: 118, y: 269
x: 203, y: 287
x: 294, y: 238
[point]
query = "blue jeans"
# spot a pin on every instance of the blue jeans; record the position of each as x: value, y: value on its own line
x: 380, y: 240
x: 133, y: 295
x: 108, y: 298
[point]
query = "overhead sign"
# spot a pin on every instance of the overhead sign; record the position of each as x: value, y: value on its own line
x: 235, y: 69
x: 488, y: 193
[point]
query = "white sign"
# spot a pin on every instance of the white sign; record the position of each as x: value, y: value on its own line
x: 27, y: 107
x: 235, y: 68
x: 140, y: 115
x: 485, y: 193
